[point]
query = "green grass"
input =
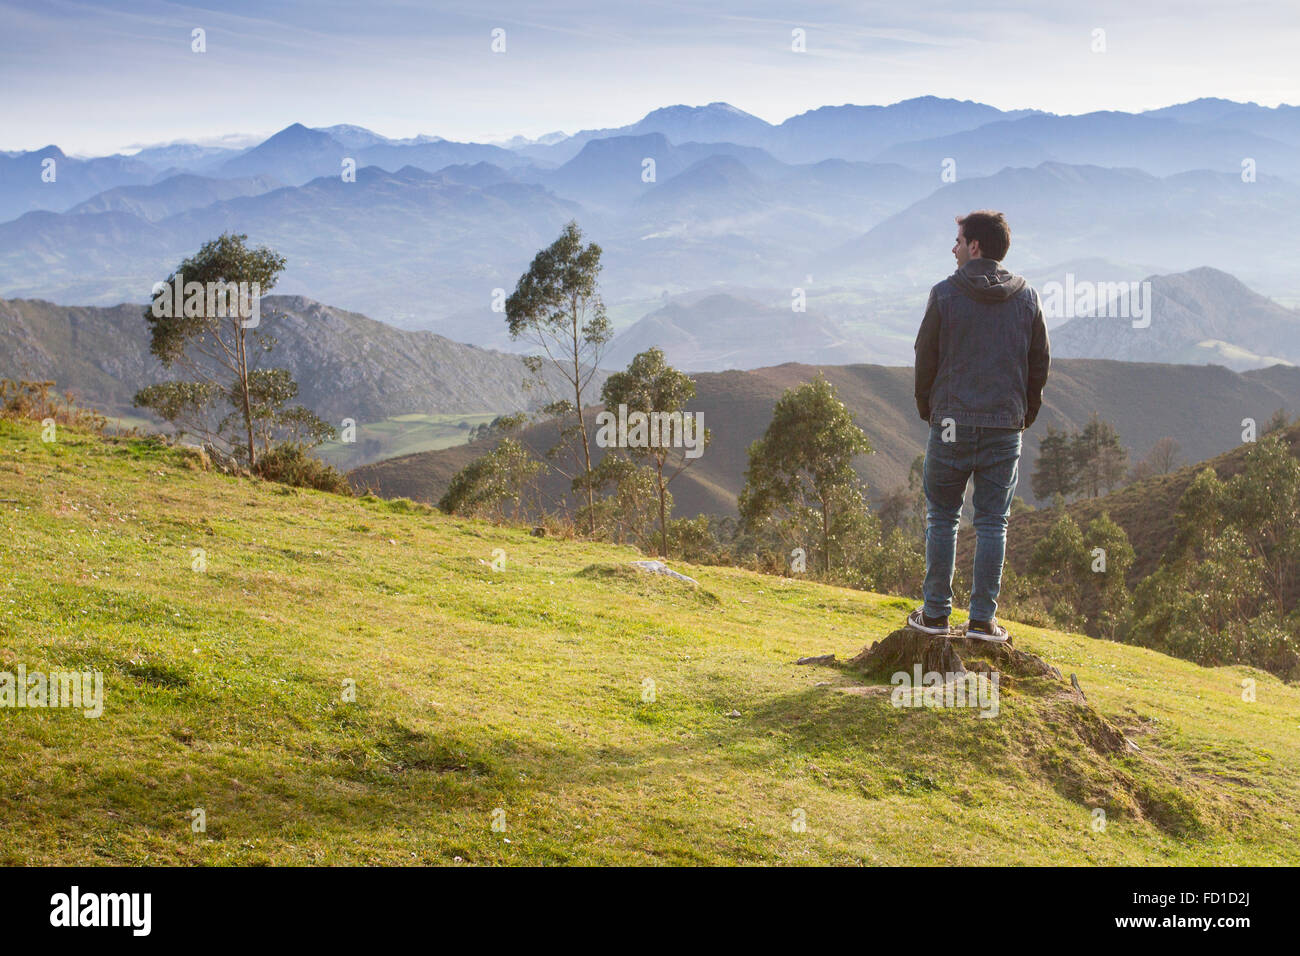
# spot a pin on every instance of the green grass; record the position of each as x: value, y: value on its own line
x: 401, y: 435
x: 521, y: 689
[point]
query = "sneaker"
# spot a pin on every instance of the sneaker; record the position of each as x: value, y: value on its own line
x: 918, y: 620
x: 987, y: 631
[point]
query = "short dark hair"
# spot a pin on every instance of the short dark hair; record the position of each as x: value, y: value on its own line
x: 989, y: 228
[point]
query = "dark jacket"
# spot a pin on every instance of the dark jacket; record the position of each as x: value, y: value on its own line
x: 982, y: 353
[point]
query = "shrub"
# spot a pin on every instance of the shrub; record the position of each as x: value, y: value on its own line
x: 482, y: 488
x: 290, y: 464
x: 32, y: 401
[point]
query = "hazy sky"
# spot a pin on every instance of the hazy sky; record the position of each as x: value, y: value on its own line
x: 101, y: 77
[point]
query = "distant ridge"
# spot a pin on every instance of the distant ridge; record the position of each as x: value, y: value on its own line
x: 346, y: 365
x: 721, y: 332
x: 1200, y: 407
x: 1203, y: 316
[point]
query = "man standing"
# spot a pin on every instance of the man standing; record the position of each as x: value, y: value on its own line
x: 981, y: 364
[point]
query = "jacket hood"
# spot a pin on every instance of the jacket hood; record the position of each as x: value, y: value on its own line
x: 985, y: 281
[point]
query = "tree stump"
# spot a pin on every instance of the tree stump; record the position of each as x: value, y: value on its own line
x: 905, y: 648
x: 955, y: 656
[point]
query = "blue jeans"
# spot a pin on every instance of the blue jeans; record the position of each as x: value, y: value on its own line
x: 992, y: 455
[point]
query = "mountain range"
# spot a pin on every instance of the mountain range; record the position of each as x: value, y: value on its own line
x: 1059, y: 212
x: 412, y: 242
x: 346, y: 365
x: 719, y: 331
x: 848, y: 203
x: 1200, y: 317
x: 468, y: 230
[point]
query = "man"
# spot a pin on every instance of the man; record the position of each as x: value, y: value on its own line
x: 981, y: 364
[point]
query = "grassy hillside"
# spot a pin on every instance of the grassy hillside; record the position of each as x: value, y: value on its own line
x: 521, y: 689
x: 1202, y: 407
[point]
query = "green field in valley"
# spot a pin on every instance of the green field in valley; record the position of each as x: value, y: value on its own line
x: 401, y: 435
